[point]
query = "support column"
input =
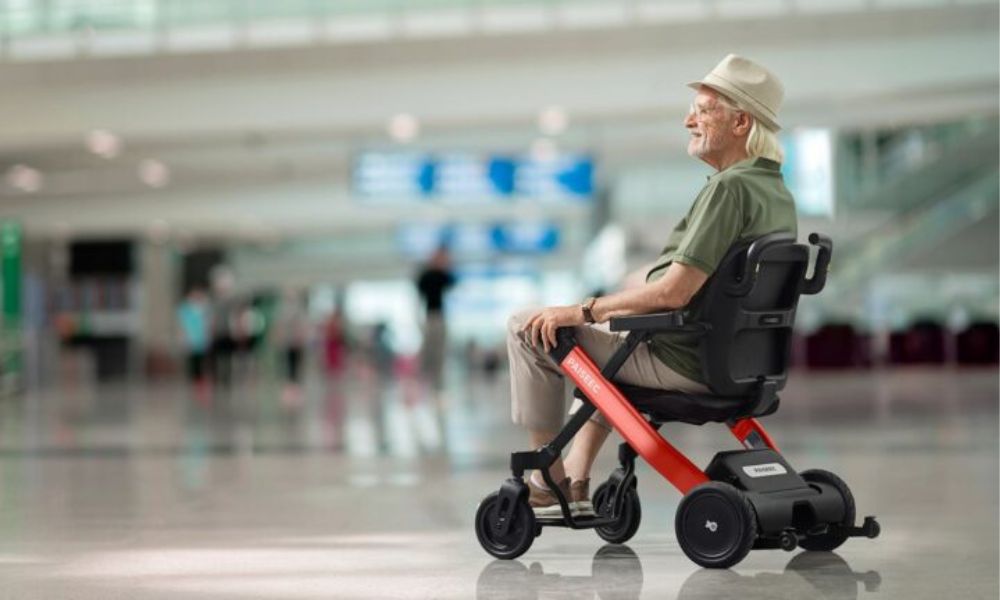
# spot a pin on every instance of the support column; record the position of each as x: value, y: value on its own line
x: 159, y: 297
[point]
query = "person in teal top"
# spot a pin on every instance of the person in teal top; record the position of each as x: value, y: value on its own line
x: 192, y: 316
x: 733, y: 128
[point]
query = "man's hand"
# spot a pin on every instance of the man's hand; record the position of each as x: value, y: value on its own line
x: 541, y: 327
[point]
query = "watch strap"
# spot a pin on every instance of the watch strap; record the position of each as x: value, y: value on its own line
x: 588, y: 309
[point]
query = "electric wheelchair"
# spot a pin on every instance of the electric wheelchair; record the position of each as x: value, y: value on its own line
x: 744, y: 499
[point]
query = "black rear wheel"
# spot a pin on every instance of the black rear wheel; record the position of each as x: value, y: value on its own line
x: 519, y: 536
x: 629, y: 515
x: 833, y: 538
x: 716, y: 525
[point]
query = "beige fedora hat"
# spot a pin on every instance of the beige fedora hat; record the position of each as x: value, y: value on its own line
x: 748, y: 83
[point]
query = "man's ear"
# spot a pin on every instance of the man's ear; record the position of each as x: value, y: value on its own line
x: 743, y: 124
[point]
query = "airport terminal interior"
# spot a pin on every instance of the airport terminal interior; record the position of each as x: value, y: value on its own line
x: 258, y: 257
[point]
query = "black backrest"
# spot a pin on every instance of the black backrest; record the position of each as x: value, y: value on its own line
x: 749, y: 304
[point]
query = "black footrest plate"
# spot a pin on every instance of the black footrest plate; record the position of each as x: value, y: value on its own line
x: 580, y: 520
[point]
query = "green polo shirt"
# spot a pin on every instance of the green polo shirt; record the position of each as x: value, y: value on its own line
x: 744, y: 202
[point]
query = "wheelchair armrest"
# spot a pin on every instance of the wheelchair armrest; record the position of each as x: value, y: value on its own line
x: 652, y: 322
x: 640, y: 328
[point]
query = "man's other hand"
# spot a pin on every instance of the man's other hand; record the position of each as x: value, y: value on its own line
x: 541, y: 327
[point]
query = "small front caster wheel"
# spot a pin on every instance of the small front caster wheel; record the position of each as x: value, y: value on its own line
x: 716, y: 525
x: 629, y: 514
x: 788, y: 541
x: 519, y: 536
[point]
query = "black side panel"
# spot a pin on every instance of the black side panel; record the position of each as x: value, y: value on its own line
x: 800, y: 509
x: 762, y: 471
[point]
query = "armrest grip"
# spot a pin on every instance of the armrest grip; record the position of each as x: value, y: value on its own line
x: 823, y: 255
x: 652, y: 322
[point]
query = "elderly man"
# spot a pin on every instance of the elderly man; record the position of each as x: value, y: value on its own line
x: 732, y: 126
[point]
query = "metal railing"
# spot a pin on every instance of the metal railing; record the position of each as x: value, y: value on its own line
x: 900, y: 168
x: 916, y: 230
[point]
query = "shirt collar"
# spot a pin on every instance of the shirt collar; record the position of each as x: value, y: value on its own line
x: 758, y: 162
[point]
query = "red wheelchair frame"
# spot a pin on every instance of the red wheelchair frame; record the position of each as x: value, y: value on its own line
x: 640, y: 435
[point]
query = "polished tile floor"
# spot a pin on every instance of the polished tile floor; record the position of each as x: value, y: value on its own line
x: 356, y: 489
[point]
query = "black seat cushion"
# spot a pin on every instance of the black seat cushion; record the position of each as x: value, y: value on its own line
x: 696, y: 409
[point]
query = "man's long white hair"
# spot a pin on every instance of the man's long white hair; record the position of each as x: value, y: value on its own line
x: 762, y: 141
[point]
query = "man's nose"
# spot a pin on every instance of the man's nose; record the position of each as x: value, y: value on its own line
x: 689, y: 121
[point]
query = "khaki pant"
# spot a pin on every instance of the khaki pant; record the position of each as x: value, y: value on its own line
x: 432, y: 353
x: 537, y: 388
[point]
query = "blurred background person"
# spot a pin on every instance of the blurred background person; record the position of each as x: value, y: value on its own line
x: 334, y: 365
x: 334, y: 333
x: 247, y: 326
x: 291, y: 337
x: 434, y: 280
x: 381, y: 354
x: 193, y: 317
x: 224, y: 321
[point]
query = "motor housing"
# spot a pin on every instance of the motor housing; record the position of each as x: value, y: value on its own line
x: 781, y: 499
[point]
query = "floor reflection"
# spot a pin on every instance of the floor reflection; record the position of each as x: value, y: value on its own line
x: 823, y: 575
x: 616, y: 574
x: 359, y: 413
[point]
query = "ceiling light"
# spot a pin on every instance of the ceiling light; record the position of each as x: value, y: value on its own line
x: 154, y: 173
x: 403, y: 127
x: 553, y: 120
x: 543, y: 150
x: 104, y: 143
x: 24, y: 178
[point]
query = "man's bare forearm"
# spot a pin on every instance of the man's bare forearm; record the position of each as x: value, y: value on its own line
x: 674, y: 290
x: 637, y: 278
x: 645, y: 299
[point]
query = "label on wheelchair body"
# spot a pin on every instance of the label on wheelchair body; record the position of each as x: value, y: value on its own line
x: 762, y: 471
x: 765, y: 470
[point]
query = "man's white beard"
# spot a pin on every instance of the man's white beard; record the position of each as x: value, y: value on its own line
x: 704, y: 145
x: 700, y: 147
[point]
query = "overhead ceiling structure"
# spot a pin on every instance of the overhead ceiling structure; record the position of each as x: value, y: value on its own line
x: 252, y: 139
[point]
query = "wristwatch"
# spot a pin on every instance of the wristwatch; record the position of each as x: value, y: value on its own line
x: 587, y: 307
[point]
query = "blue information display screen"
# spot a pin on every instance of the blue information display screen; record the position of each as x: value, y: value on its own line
x: 456, y: 177
x: 479, y: 239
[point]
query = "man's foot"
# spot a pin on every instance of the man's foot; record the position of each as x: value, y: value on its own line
x: 544, y: 502
x: 546, y: 505
x: 579, y: 495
